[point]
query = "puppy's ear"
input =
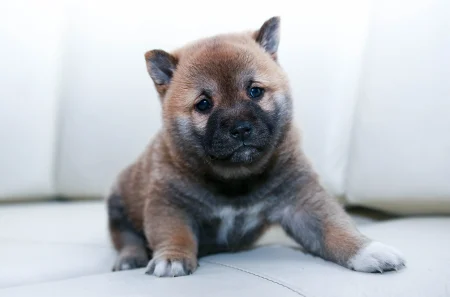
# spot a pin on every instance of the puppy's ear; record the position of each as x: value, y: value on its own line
x: 161, y: 66
x: 269, y: 36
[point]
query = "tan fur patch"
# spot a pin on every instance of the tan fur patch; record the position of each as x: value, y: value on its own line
x: 198, y: 70
x: 341, y: 241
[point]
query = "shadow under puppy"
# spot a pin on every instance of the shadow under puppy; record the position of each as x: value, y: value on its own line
x: 226, y: 165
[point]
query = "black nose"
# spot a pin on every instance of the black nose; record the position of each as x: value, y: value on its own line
x: 241, y: 130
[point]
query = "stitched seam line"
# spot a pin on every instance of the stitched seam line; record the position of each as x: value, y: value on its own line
x: 257, y: 275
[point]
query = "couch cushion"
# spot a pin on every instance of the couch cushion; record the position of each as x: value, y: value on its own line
x: 282, y: 271
x: 62, y: 249
x: 51, y: 241
x: 423, y: 241
x: 400, y: 155
x: 64, y: 240
x: 25, y: 262
x: 211, y: 280
x: 31, y: 43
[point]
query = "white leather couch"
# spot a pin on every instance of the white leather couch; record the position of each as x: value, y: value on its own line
x: 372, y: 96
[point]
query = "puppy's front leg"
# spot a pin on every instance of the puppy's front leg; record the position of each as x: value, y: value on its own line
x: 172, y: 240
x: 316, y: 221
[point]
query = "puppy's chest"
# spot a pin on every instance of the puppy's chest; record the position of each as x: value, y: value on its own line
x: 232, y: 227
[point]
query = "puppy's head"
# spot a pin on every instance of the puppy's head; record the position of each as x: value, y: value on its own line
x: 226, y: 101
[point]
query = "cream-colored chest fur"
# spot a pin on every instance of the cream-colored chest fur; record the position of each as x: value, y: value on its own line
x: 236, y: 221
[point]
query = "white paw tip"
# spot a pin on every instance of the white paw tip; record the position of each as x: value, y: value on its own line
x: 164, y: 268
x: 377, y: 257
x: 125, y: 266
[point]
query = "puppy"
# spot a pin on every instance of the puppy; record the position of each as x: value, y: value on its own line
x: 226, y: 164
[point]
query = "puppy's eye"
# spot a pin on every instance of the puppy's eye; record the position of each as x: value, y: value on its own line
x: 255, y: 92
x: 204, y: 105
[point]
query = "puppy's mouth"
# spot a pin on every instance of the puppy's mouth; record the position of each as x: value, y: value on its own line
x: 243, y: 154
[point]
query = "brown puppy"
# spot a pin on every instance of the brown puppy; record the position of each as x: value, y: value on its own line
x: 226, y: 164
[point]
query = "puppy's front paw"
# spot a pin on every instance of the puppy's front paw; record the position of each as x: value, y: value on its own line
x: 171, y: 266
x: 377, y: 257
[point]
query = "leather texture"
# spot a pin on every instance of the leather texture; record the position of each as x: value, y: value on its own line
x: 74, y: 257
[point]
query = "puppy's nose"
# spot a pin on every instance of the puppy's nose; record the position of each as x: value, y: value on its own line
x: 241, y: 130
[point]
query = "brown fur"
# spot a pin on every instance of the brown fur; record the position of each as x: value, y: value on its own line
x: 180, y: 201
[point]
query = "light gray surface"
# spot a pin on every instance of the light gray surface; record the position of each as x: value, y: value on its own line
x: 67, y: 239
x: 210, y: 280
x: 62, y: 249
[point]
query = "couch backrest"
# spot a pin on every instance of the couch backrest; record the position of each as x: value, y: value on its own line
x: 369, y: 82
x: 400, y: 148
x: 30, y: 64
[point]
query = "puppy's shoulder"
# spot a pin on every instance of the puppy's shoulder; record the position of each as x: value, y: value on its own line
x: 138, y: 176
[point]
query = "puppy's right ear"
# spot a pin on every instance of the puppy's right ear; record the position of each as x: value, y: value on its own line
x: 269, y: 36
x: 161, y: 66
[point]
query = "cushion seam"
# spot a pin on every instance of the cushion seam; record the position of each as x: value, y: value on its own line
x: 277, y: 282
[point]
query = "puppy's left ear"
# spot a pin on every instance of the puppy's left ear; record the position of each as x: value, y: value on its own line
x: 161, y: 67
x: 269, y: 36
